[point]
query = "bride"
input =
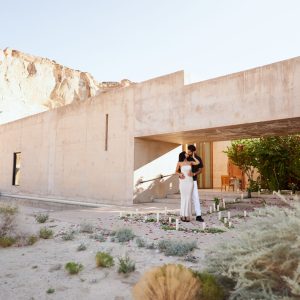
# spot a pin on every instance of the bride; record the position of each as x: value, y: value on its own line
x: 184, y: 169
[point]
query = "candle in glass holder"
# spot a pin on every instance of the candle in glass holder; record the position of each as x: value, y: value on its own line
x: 121, y: 214
x: 157, y: 217
x: 229, y: 224
x: 245, y: 213
x: 228, y: 215
x: 177, y: 224
x: 219, y: 215
x: 223, y: 200
x: 170, y: 220
x: 210, y: 209
x: 218, y: 207
x: 225, y: 220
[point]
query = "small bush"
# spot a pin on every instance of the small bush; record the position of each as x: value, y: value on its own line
x: 46, y: 233
x: 140, y: 242
x: 7, y: 220
x: 151, y: 246
x: 50, y: 291
x: 68, y: 236
x: 73, y: 268
x: 210, y: 289
x: 124, y: 235
x: 98, y: 237
x: 81, y: 247
x: 126, y: 265
x: 168, y: 282
x: 42, y: 218
x: 6, y: 241
x: 104, y: 260
x: 86, y: 228
x: 176, y: 248
x: 32, y: 239
x: 8, y: 210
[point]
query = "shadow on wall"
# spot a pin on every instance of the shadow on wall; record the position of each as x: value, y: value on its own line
x: 157, y: 189
x: 152, y: 160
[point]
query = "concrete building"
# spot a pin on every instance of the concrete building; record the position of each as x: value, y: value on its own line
x: 101, y: 149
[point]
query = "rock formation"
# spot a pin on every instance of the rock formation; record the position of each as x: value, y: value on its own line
x: 30, y: 84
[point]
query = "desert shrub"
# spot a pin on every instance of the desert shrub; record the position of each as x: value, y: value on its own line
x: 68, y: 236
x: 86, y: 228
x: 6, y: 241
x: 151, y: 246
x: 73, y: 268
x: 210, y: 289
x: 98, y: 237
x: 140, y: 242
x: 104, y: 260
x: 32, y: 239
x: 264, y: 262
x: 126, y: 265
x: 50, y: 291
x: 7, y: 219
x: 41, y: 218
x: 176, y: 248
x: 124, y: 235
x: 81, y: 247
x: 8, y: 209
x: 46, y: 233
x: 167, y: 283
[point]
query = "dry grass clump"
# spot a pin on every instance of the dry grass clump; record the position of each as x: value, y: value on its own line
x: 7, y: 225
x: 169, y: 282
x: 124, y: 235
x: 73, y: 267
x: 264, y: 263
x: 46, y: 233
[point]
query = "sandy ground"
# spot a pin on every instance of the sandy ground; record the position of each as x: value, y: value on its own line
x: 28, y: 272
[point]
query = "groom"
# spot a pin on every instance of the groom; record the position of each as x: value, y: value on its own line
x: 196, y: 170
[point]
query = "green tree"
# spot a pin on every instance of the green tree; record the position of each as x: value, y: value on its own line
x: 242, y: 154
x: 277, y: 159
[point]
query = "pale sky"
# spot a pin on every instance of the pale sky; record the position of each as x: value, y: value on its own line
x: 142, y: 39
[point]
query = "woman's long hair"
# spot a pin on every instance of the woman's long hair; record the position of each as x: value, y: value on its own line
x: 182, y: 156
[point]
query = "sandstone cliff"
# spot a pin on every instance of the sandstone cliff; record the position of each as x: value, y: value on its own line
x: 30, y: 84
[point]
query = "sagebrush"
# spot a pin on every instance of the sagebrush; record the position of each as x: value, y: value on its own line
x: 264, y: 262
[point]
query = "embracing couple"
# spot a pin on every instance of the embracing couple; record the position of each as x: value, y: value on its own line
x: 189, y: 167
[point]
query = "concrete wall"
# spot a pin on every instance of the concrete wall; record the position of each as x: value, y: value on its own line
x: 153, y: 159
x: 62, y: 151
x: 262, y: 94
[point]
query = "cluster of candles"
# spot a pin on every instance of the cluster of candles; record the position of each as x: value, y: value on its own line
x: 211, y: 208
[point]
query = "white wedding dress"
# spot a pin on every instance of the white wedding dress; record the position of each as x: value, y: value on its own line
x: 186, y: 190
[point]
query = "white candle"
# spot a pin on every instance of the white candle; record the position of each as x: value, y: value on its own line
x: 210, y: 209
x: 145, y: 218
x: 177, y: 224
x: 229, y: 224
x: 165, y: 211
x: 121, y: 214
x: 223, y: 200
x: 214, y: 207
x: 203, y: 225
x: 219, y: 215
x: 157, y: 217
x: 170, y: 220
x: 225, y: 220
x: 228, y: 215
x: 245, y: 213
x: 218, y: 207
